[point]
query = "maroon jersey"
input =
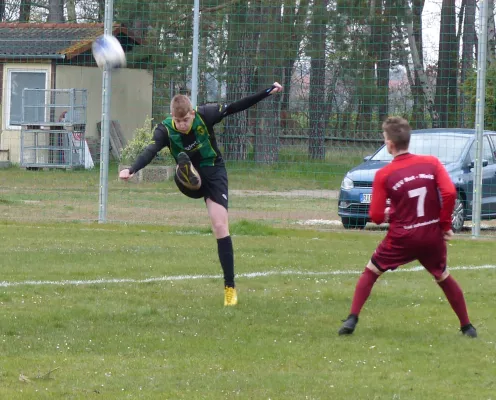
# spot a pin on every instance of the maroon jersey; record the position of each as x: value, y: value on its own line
x: 421, y: 193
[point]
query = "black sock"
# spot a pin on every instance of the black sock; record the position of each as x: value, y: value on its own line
x: 226, y: 257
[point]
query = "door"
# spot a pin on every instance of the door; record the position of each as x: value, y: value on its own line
x: 489, y: 192
x: 488, y: 202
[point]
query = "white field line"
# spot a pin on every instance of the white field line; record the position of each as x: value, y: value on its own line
x: 196, y: 277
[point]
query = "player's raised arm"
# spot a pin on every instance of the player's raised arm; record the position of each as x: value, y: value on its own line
x: 249, y: 101
x: 160, y: 140
x: 447, y: 191
x: 379, y: 198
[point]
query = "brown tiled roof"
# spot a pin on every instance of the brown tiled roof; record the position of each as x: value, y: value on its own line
x: 51, y: 40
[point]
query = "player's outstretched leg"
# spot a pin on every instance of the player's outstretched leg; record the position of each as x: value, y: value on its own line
x: 454, y: 294
x: 226, y: 258
x: 217, y: 211
x: 186, y: 173
x: 362, y: 293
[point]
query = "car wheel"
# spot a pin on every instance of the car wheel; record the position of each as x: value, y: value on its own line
x: 353, y: 223
x: 458, y: 216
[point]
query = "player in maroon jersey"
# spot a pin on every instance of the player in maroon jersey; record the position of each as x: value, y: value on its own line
x: 422, y: 199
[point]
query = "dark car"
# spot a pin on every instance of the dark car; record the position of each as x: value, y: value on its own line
x: 455, y: 148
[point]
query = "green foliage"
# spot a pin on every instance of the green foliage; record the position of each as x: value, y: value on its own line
x: 142, y: 138
x: 470, y: 91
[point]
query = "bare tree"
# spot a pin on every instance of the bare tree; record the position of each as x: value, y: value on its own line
x: 56, y: 11
x: 419, y: 99
x: 2, y: 10
x: 447, y: 67
x: 71, y: 10
x: 241, y: 50
x: 419, y: 68
x: 469, y: 39
x: 101, y: 10
x: 270, y: 69
x: 316, y: 100
x: 24, y: 10
x: 382, y: 36
x: 491, y: 29
x: 295, y: 13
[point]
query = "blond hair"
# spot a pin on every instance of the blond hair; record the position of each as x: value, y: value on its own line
x: 397, y: 130
x: 180, y: 105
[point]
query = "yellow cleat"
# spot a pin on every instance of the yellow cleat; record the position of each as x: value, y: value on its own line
x: 230, y: 296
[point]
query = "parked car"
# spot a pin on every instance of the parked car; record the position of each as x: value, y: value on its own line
x: 455, y: 148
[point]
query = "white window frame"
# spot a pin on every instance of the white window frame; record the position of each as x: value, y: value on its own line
x: 10, y: 70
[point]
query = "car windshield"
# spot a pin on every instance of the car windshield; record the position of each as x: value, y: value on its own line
x: 446, y: 147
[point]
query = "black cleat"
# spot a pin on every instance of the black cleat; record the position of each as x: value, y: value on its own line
x: 186, y: 173
x: 469, y: 331
x: 349, y: 325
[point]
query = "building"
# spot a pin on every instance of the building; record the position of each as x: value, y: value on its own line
x: 58, y: 56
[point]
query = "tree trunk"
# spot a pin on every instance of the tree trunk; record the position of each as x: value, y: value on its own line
x: 101, y: 10
x: 293, y: 22
x: 419, y: 69
x: 317, y: 97
x: 491, y: 29
x: 24, y: 10
x: 384, y: 32
x: 139, y: 19
x: 241, y: 47
x: 2, y: 10
x: 366, y: 90
x: 55, y: 11
x: 446, y: 85
x: 419, y: 100
x: 270, y: 67
x: 71, y: 11
x: 467, y: 51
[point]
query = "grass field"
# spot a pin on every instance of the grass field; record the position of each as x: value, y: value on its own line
x: 118, y: 311
x: 256, y: 193
x: 134, y: 309
x: 285, y: 195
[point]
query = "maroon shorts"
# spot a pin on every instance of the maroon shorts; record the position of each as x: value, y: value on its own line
x: 429, y: 250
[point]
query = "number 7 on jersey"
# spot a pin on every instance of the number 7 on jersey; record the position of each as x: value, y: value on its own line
x: 420, y: 192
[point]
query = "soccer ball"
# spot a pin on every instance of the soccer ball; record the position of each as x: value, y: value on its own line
x: 108, y: 52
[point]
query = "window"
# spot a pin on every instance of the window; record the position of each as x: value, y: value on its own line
x: 18, y: 80
x: 487, y: 152
x: 493, y: 137
x: 448, y: 147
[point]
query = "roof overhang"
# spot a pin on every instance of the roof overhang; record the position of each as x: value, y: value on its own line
x: 32, y: 57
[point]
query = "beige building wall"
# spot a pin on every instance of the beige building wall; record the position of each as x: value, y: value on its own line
x: 131, y: 100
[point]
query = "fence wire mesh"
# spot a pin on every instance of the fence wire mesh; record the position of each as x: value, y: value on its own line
x: 344, y: 65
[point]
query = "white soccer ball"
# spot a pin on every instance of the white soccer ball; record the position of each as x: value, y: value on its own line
x: 108, y: 52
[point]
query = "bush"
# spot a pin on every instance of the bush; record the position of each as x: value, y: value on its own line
x: 470, y: 90
x: 142, y: 138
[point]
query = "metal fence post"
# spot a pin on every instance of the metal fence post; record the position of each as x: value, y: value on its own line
x: 479, y: 118
x: 106, y: 97
x: 194, y: 68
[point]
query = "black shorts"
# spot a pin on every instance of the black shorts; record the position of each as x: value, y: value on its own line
x: 214, y: 185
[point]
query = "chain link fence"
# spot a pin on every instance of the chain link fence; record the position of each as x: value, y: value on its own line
x: 344, y: 65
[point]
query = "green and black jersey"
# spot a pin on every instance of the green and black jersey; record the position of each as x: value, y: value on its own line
x: 199, y: 143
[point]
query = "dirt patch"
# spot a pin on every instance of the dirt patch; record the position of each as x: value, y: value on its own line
x: 315, y: 194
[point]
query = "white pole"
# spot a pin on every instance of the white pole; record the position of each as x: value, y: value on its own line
x: 196, y: 34
x: 105, y: 128
x: 479, y: 117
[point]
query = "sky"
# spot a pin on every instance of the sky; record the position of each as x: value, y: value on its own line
x: 431, y: 17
